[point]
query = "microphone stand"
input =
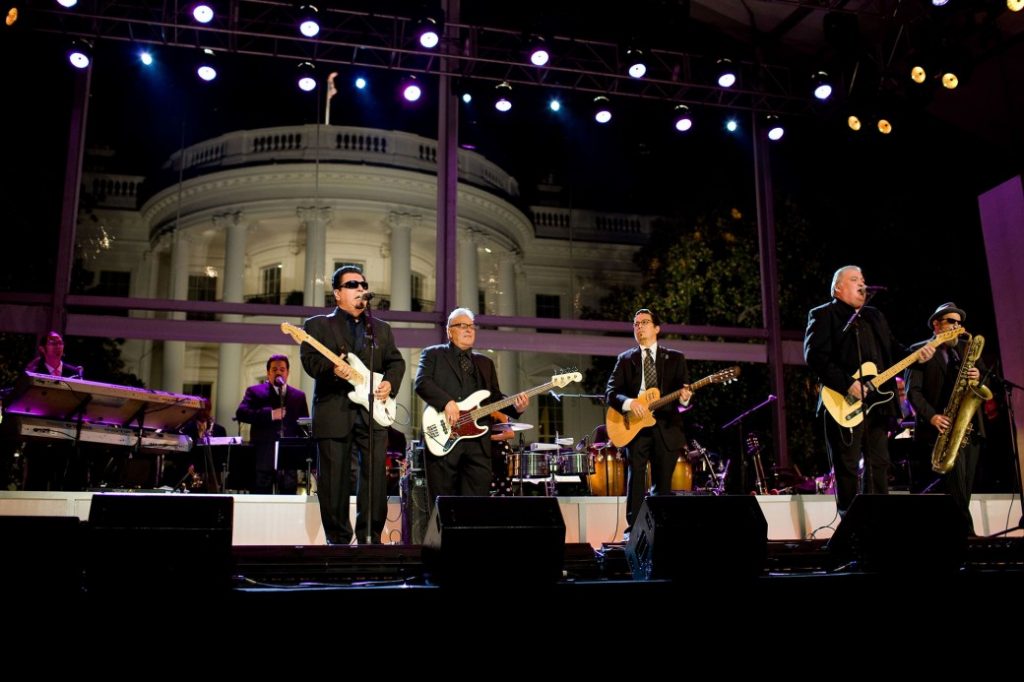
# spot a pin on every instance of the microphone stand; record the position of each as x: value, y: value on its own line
x: 280, y: 434
x: 738, y: 419
x: 1008, y: 387
x: 370, y: 466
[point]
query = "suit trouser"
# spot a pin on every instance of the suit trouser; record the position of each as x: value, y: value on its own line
x: 466, y: 470
x: 845, y: 446
x: 647, y: 446
x: 334, y: 484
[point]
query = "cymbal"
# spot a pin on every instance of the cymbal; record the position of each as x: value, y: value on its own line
x: 511, y: 426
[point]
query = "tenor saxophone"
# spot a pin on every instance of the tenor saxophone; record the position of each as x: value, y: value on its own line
x: 963, y: 403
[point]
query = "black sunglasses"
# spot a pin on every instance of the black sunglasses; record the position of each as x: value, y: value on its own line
x: 950, y: 320
x: 354, y: 284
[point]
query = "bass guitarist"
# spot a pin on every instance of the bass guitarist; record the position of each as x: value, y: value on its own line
x: 340, y: 426
x: 842, y: 335
x: 449, y: 373
x: 637, y: 370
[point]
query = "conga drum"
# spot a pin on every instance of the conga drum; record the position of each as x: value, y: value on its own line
x: 682, y: 475
x: 609, y: 471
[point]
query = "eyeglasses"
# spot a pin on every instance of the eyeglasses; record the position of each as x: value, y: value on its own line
x: 642, y: 323
x: 354, y: 284
x: 462, y: 326
x: 950, y: 321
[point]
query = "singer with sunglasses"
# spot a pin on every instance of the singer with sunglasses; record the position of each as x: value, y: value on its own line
x: 842, y: 336
x: 342, y: 429
x: 929, y: 387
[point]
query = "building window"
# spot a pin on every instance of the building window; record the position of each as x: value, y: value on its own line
x: 552, y: 418
x: 549, y: 307
x: 201, y: 288
x: 270, y: 283
x: 113, y: 283
x: 481, y: 302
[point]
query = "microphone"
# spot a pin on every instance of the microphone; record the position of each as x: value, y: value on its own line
x: 368, y: 296
x: 279, y: 381
x: 874, y: 288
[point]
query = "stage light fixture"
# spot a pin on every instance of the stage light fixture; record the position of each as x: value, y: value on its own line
x: 80, y: 54
x: 884, y: 126
x: 918, y: 73
x: 309, y: 24
x: 67, y: 4
x: 205, y: 67
x: 555, y: 104
x: 11, y: 18
x: 306, y: 79
x: 636, y: 66
x: 360, y: 83
x: 538, y: 51
x: 1015, y: 5
x: 503, y: 96
x: 774, y: 127
x: 202, y: 12
x: 732, y: 125
x: 146, y: 57
x: 939, y: 3
x: 821, y: 85
x: 854, y: 123
x: 950, y: 80
x: 726, y: 73
x: 602, y: 109
x: 682, y: 121
x: 411, y: 89
x: 428, y: 33
x: 467, y: 98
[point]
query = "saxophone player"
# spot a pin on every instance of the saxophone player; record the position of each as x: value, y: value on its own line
x: 929, y: 388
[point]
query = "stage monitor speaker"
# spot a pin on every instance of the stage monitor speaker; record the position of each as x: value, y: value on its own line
x: 42, y: 559
x: 513, y: 540
x: 151, y: 546
x: 690, y: 536
x: 901, y: 533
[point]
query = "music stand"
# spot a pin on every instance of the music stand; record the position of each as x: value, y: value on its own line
x: 293, y: 453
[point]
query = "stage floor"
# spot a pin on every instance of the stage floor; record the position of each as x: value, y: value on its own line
x: 295, y: 519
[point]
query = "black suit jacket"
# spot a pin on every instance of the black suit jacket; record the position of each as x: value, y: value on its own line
x: 256, y: 407
x: 929, y: 386
x: 832, y: 355
x: 627, y: 377
x: 333, y: 413
x: 38, y: 366
x: 439, y: 379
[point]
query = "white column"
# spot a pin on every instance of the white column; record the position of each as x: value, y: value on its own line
x: 400, y: 247
x: 229, y: 367
x: 508, y: 361
x: 174, y: 351
x: 469, y: 271
x: 315, y: 281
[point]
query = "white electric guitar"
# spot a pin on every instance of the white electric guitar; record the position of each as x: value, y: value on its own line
x: 441, y: 437
x: 361, y: 379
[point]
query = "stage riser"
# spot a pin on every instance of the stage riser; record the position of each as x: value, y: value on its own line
x: 295, y: 520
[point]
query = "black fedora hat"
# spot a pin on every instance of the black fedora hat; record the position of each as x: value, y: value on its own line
x: 947, y: 308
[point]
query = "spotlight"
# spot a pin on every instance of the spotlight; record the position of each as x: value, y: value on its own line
x: 555, y: 104
x: 774, y: 127
x: 726, y: 73
x: 918, y: 74
x: 80, y: 54
x: 538, y: 51
x: 411, y: 89
x: 884, y: 126
x: 822, y: 85
x: 11, y: 18
x: 853, y: 122
x: 602, y: 109
x: 731, y: 125
x: 1015, y: 5
x: 681, y: 118
x: 67, y: 4
x: 428, y: 33
x: 636, y: 67
x: 360, y: 83
x: 146, y: 57
x: 502, y: 96
x: 202, y: 12
x: 205, y: 68
x: 939, y: 3
x: 309, y: 26
x: 306, y: 79
x: 467, y: 98
x: 950, y: 80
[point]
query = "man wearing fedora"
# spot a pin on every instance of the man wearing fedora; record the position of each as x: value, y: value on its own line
x: 929, y: 386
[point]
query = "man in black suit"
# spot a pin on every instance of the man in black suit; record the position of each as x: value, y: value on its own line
x: 448, y: 374
x: 835, y: 352
x: 646, y: 366
x: 52, y: 464
x: 339, y: 424
x: 929, y: 387
x: 272, y: 409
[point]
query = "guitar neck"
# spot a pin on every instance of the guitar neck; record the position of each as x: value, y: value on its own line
x: 902, y: 364
x: 324, y: 350
x: 674, y: 395
x: 502, y: 404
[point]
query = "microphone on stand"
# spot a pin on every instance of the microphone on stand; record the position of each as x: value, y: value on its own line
x: 368, y: 296
x: 874, y: 289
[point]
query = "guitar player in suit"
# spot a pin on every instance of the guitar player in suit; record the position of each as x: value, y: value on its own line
x: 835, y: 355
x: 272, y: 409
x: 449, y: 373
x: 342, y: 427
x: 649, y: 365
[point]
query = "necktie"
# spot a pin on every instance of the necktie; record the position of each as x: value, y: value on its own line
x: 650, y: 373
x: 465, y: 363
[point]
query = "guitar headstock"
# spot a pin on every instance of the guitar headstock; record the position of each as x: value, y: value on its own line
x: 299, y: 335
x: 942, y: 337
x: 727, y: 375
x: 566, y: 376
x: 753, y: 443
